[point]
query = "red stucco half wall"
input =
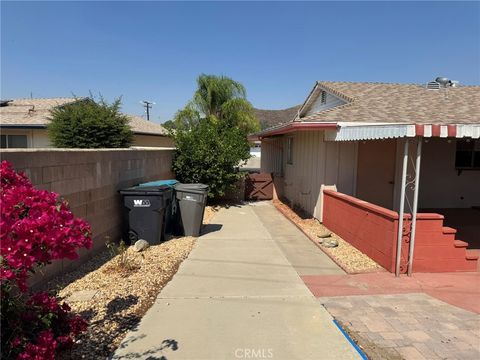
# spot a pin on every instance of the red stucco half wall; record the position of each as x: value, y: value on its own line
x: 373, y: 230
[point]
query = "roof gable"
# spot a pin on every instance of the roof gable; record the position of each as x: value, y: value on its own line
x: 321, y: 99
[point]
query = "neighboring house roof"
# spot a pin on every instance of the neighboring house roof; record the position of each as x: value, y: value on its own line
x: 141, y: 126
x: 30, y: 112
x: 34, y: 113
x: 268, y: 118
x: 397, y: 103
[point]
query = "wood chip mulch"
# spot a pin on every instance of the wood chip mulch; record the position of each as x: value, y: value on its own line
x: 351, y: 259
x: 114, y: 298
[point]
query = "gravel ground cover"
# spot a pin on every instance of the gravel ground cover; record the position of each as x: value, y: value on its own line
x: 347, y: 256
x: 113, y: 298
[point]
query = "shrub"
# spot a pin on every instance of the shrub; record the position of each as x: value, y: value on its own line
x: 210, y: 153
x: 35, y: 228
x: 89, y: 124
x: 210, y: 134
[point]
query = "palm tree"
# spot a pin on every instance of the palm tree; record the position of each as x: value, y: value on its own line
x: 218, y: 98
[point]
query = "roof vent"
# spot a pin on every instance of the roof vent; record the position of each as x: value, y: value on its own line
x: 433, y: 85
x: 441, y: 82
x: 4, y: 102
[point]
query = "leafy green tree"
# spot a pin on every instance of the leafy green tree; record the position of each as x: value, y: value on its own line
x: 218, y: 98
x: 169, y: 125
x: 90, y: 124
x: 210, y: 134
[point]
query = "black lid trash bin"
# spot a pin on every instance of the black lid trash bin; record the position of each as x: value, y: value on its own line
x: 170, y: 212
x: 192, y: 199
x: 145, y: 213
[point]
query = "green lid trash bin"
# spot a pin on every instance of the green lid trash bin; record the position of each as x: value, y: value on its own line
x: 192, y: 199
x: 170, y: 211
x: 145, y: 212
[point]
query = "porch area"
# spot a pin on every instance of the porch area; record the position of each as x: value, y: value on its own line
x: 436, y: 179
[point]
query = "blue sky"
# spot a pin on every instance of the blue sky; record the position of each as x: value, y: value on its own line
x: 155, y: 50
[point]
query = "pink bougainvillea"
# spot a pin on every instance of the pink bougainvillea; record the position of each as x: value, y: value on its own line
x: 36, y: 227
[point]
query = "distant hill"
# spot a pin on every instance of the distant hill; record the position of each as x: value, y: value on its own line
x: 269, y: 118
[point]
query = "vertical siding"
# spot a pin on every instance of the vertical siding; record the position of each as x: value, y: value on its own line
x: 315, y: 163
x: 271, y: 160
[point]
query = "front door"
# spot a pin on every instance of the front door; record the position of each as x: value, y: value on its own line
x: 376, y: 172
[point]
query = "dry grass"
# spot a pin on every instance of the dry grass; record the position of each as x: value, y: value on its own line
x: 121, y: 296
x: 348, y: 257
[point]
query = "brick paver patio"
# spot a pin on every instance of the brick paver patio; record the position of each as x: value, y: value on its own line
x: 408, y: 326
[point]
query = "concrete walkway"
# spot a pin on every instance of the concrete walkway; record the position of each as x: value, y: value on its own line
x: 238, y: 297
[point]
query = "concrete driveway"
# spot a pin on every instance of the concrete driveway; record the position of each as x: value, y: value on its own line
x: 237, y: 296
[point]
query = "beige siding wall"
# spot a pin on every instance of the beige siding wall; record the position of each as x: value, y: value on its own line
x: 40, y: 139
x: 315, y: 163
x: 271, y: 158
x: 376, y: 172
x: 152, y: 141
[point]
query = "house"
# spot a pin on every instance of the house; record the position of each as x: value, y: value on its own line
x: 23, y: 124
x: 349, y: 158
x: 266, y: 119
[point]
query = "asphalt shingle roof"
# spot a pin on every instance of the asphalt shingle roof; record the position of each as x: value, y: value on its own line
x: 398, y: 103
x: 35, y: 113
x: 268, y: 118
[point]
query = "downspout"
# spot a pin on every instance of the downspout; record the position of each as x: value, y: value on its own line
x: 402, y: 209
x: 415, y: 206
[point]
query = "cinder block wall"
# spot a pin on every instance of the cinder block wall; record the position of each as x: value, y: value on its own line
x: 89, y: 180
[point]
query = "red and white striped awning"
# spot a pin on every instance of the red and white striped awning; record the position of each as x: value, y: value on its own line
x: 349, y: 131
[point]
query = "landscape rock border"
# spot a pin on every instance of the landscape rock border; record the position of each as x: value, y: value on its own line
x: 114, y: 299
x: 346, y: 256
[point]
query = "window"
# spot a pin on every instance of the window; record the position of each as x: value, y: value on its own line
x: 323, y: 97
x: 467, y: 155
x: 290, y: 151
x: 14, y: 141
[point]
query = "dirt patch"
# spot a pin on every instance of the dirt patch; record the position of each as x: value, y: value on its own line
x: 369, y: 348
x: 113, y: 298
x: 351, y: 259
x: 210, y: 212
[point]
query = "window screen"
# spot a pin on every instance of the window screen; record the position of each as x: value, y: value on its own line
x: 467, y: 155
x: 4, y: 141
x: 17, y: 141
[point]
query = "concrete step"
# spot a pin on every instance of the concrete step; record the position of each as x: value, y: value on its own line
x: 460, y: 244
x: 472, y: 254
x: 448, y: 230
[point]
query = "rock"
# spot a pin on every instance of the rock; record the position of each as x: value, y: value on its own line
x: 330, y: 243
x: 324, y: 234
x: 82, y: 295
x: 141, y: 245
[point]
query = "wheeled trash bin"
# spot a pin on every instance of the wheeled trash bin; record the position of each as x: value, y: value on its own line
x: 170, y: 211
x: 192, y: 199
x: 145, y: 208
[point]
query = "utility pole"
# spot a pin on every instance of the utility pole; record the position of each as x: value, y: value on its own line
x: 147, y: 105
